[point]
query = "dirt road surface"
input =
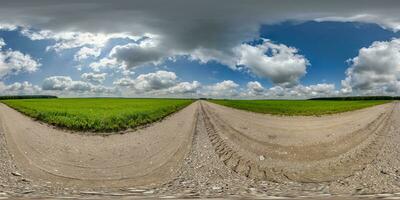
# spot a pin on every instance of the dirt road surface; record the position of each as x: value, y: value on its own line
x: 208, y: 150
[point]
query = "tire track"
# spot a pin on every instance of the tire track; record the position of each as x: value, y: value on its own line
x: 243, y: 159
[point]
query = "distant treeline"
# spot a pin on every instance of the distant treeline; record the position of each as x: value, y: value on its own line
x: 357, y: 98
x: 28, y: 97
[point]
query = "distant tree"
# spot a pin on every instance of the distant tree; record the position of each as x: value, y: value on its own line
x: 28, y: 97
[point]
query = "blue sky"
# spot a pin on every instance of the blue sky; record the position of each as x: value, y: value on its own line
x: 218, y: 56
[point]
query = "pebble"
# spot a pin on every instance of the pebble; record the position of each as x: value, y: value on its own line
x: 28, y: 192
x: 149, y: 192
x: 16, y: 174
x: 136, y: 190
x: 216, y: 188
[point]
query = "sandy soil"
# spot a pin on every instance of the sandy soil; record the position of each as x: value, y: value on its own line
x: 207, y: 150
x: 149, y: 155
x: 303, y: 149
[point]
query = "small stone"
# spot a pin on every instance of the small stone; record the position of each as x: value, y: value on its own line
x: 16, y: 174
x: 25, y: 180
x: 28, y: 191
x: 216, y: 188
x: 136, y: 190
x: 149, y: 192
x: 90, y: 193
x: 262, y: 158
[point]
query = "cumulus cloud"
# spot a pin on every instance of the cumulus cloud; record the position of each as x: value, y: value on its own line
x: 159, y: 83
x: 85, y: 53
x: 66, y: 84
x: 105, y: 63
x: 387, y: 23
x: 89, y: 44
x: 14, y: 62
x: 226, y: 88
x: 277, y: 62
x: 376, y: 69
x: 133, y: 55
x: 149, y: 82
x: 19, y: 88
x: 8, y: 27
x: 155, y: 81
x: 255, y: 88
x: 217, y: 35
x: 129, y: 56
x: 184, y: 88
x: 94, y: 78
x: 2, y: 43
x: 182, y: 28
x: 301, y: 91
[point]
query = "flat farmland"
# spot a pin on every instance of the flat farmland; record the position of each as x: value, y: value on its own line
x: 298, y: 107
x: 98, y: 114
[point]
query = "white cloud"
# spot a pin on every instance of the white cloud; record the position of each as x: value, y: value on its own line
x: 85, y: 53
x: 94, y: 78
x: 189, y: 31
x: 277, y: 62
x: 149, y: 82
x: 14, y: 62
x: 301, y: 91
x: 385, y: 22
x: 206, y: 55
x: 155, y: 81
x: 255, y: 88
x: 105, y: 63
x: 158, y: 83
x: 66, y: 84
x: 376, y: 70
x: 184, y: 88
x: 226, y: 88
x: 132, y: 55
x: 74, y: 39
x: 89, y: 44
x: 17, y: 88
x: 7, y: 27
x: 215, y: 36
x: 2, y: 43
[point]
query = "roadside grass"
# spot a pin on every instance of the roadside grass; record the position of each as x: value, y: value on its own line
x: 98, y: 114
x: 298, y: 107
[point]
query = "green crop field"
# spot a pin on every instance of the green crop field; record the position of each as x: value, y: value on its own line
x: 98, y: 114
x: 298, y: 107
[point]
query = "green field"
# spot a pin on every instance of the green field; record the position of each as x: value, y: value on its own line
x: 97, y: 114
x: 298, y: 107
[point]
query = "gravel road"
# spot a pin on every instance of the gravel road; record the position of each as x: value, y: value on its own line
x: 207, y: 150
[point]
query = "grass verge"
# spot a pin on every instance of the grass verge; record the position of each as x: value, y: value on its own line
x: 98, y: 114
x: 298, y: 107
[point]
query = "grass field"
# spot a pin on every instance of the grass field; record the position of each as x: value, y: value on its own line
x: 297, y: 107
x: 98, y: 115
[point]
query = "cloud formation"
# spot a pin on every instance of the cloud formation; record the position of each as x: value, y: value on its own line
x: 226, y: 88
x: 19, y: 88
x: 69, y: 86
x: 14, y: 62
x: 182, y: 28
x: 376, y: 69
x: 158, y: 83
x: 93, y: 77
x: 277, y: 62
